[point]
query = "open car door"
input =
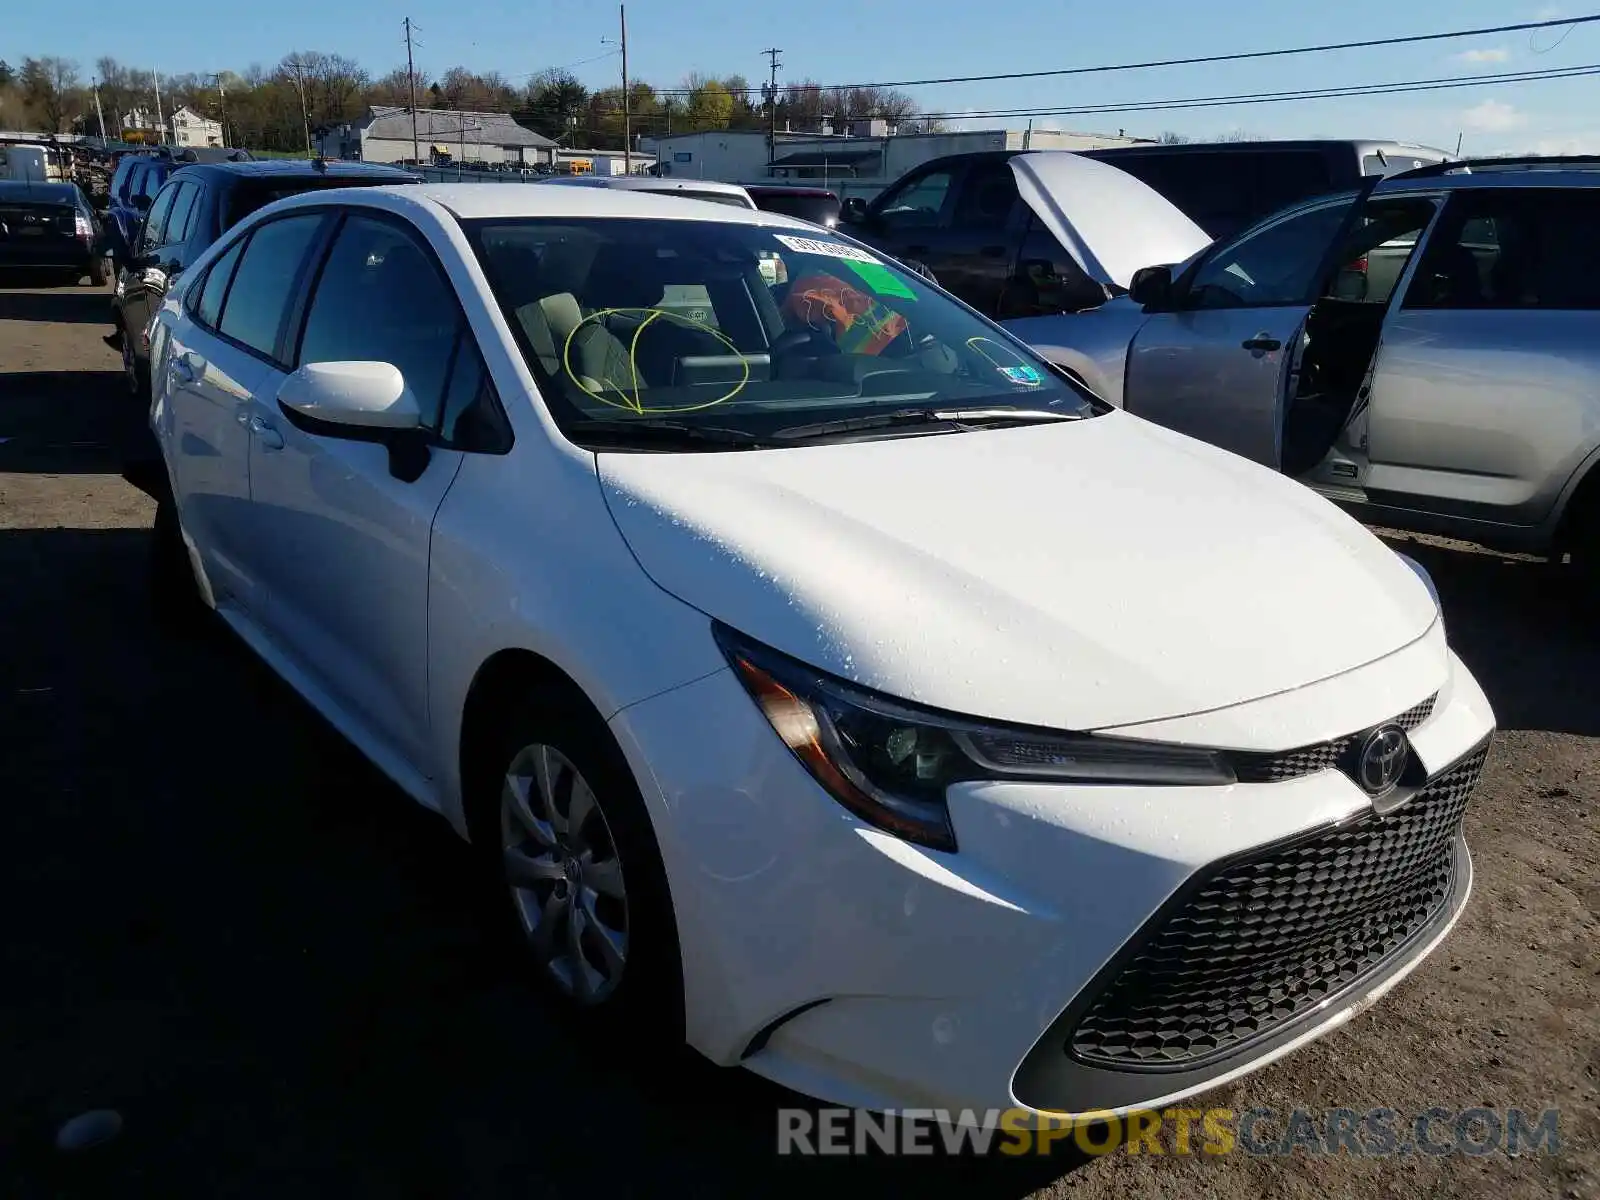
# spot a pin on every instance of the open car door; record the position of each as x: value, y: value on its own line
x: 1214, y: 361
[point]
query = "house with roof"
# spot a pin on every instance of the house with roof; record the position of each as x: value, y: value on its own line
x: 190, y: 128
x: 385, y: 135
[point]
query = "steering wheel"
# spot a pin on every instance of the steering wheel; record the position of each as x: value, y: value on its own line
x: 793, y: 341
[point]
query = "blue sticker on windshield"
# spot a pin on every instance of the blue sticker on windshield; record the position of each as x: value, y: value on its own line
x: 1023, y: 376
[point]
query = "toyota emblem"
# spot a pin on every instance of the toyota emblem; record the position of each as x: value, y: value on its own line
x: 1383, y: 759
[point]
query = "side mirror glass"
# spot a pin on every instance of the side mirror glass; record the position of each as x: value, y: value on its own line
x: 141, y: 202
x: 1151, y: 287
x: 853, y: 210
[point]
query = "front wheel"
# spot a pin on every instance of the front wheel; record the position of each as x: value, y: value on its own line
x: 99, y: 272
x: 577, y: 854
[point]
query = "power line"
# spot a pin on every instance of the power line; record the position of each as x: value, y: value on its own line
x: 1241, y: 56
x: 1239, y: 98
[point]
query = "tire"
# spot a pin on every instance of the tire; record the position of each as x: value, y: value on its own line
x: 1581, y: 543
x: 175, y: 599
x: 99, y: 272
x: 135, y: 374
x: 609, y: 870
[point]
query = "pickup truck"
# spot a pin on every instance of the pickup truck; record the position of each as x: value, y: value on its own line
x: 1024, y: 234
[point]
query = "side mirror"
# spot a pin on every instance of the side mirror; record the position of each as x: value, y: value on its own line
x: 364, y: 402
x: 141, y: 202
x: 853, y: 211
x: 1151, y: 287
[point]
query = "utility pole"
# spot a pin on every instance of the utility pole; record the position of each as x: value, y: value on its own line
x: 627, y: 104
x: 99, y: 113
x: 222, y: 103
x: 411, y: 79
x: 161, y: 120
x: 772, y: 53
x: 299, y: 69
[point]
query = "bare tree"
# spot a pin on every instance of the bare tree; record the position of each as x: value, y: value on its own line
x: 1168, y: 138
x: 47, y: 84
x: 340, y: 81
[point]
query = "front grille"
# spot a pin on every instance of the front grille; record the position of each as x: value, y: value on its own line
x: 1308, y: 760
x: 1270, y: 936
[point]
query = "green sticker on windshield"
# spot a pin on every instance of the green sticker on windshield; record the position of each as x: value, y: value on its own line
x: 880, y: 279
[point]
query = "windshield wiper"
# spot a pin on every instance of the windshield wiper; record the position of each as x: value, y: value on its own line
x: 961, y: 418
x: 661, y: 431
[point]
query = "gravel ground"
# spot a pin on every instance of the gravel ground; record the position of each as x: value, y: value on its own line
x: 228, y: 927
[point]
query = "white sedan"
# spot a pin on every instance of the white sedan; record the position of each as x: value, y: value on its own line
x: 827, y: 680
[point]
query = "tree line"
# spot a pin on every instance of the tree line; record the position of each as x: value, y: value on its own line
x: 273, y: 108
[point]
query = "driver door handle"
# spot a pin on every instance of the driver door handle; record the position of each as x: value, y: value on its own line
x: 1262, y: 343
x: 270, y: 438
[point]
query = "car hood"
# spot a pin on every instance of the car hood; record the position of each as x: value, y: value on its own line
x: 1073, y: 576
x: 1110, y: 222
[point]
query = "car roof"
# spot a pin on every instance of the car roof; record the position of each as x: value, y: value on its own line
x: 278, y: 168
x: 648, y: 183
x: 22, y: 189
x: 779, y: 189
x: 475, y: 201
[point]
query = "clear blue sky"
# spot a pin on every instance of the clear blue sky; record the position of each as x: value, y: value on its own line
x: 900, y: 39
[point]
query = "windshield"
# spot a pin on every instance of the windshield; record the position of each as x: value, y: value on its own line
x: 742, y: 328
x: 818, y: 209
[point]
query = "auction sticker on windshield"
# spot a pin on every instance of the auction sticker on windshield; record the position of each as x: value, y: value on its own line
x: 802, y: 245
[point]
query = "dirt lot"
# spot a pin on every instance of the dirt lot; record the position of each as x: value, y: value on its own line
x: 226, y: 926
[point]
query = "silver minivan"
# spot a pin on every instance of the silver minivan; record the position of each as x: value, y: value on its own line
x: 1424, y: 351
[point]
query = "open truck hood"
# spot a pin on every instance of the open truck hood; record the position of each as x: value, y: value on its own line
x: 1110, y: 222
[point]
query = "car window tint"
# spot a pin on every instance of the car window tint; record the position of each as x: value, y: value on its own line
x: 1513, y: 248
x: 987, y: 197
x: 265, y: 280
x: 155, y: 224
x: 380, y: 299
x: 1269, y: 266
x: 919, y: 203
x: 1286, y: 178
x: 1377, y: 250
x: 216, y: 286
x: 177, y: 228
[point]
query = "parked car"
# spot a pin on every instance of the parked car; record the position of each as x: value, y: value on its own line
x: 817, y: 205
x: 1007, y: 232
x: 50, y: 228
x: 1424, y: 351
x: 827, y: 681
x: 1226, y: 187
x: 196, y: 206
x: 134, y: 184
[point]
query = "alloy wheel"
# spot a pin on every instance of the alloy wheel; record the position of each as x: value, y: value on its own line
x: 566, y: 880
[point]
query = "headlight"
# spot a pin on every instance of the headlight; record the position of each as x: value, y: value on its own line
x: 890, y: 763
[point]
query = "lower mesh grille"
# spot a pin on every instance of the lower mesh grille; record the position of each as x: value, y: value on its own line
x: 1271, y: 936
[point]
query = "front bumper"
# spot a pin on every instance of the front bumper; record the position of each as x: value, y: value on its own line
x: 849, y: 965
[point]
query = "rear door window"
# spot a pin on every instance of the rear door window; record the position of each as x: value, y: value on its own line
x: 177, y: 228
x: 1513, y: 248
x: 209, y: 309
x: 155, y: 223
x: 265, y: 282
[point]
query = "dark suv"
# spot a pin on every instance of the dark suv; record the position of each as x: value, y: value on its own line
x: 195, y: 206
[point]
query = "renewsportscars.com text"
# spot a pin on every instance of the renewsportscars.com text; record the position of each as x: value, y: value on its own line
x: 1260, y: 1132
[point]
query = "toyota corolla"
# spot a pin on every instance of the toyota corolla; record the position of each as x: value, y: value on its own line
x: 826, y: 679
